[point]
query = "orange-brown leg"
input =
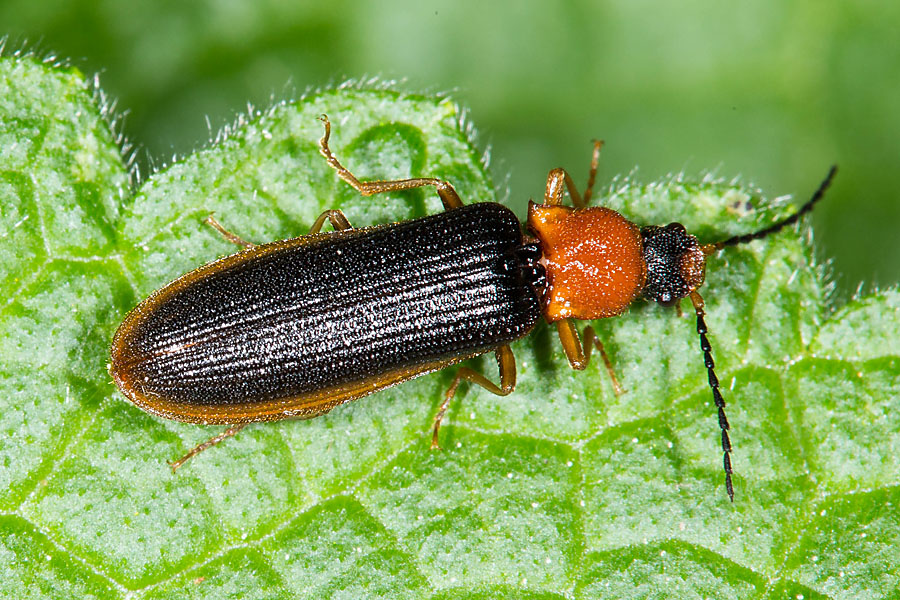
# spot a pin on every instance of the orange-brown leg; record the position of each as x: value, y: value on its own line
x: 338, y: 221
x: 507, y: 365
x: 580, y: 355
x: 557, y: 178
x: 231, y: 237
x: 230, y: 432
x: 592, y: 174
x: 367, y: 188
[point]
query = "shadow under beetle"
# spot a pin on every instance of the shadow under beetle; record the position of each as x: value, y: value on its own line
x: 293, y: 328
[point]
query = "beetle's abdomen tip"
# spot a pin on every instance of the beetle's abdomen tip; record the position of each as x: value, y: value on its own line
x: 125, y: 356
x: 122, y: 376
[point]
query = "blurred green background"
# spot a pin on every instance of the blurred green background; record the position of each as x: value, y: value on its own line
x: 772, y: 90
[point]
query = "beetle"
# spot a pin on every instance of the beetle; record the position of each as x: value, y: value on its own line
x: 293, y: 328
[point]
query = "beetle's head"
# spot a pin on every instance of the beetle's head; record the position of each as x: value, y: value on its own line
x: 676, y: 263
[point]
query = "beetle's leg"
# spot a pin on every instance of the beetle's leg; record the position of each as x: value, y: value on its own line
x: 553, y: 195
x: 338, y: 221
x: 592, y: 174
x: 367, y: 188
x: 234, y: 239
x: 580, y: 355
x: 507, y: 364
x: 230, y: 432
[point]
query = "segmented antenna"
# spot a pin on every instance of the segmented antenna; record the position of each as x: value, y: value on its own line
x: 697, y: 301
x: 749, y: 237
x: 705, y: 346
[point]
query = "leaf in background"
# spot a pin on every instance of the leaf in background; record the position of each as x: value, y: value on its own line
x: 559, y: 490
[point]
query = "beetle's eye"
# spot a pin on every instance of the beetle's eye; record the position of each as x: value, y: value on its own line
x: 676, y: 227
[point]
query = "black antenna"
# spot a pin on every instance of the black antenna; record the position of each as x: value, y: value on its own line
x: 697, y: 301
x: 749, y: 237
x: 705, y: 346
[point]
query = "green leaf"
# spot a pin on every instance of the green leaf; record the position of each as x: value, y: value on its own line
x: 561, y: 490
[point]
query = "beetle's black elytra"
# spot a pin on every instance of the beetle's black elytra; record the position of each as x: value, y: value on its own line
x: 289, y: 319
